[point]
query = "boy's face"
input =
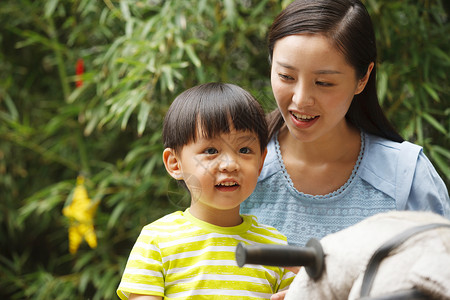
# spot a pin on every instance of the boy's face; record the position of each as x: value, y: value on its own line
x: 220, y: 173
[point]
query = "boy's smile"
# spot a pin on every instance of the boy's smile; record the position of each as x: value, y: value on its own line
x: 227, y: 186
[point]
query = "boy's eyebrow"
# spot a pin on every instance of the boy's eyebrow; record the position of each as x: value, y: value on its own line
x: 237, y: 139
x: 247, y: 137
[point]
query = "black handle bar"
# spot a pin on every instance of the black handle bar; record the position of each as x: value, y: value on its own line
x: 311, y: 256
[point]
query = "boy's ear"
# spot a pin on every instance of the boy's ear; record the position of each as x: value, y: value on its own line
x: 263, y: 157
x: 172, y: 164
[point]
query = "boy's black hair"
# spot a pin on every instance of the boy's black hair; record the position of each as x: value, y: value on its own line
x: 212, y: 106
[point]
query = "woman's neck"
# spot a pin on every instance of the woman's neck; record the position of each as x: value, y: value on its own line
x: 322, y: 166
x: 337, y: 146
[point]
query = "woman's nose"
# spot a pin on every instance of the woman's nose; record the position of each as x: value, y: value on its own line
x: 302, y: 95
x: 228, y: 163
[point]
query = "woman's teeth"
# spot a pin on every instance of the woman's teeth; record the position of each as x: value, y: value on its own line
x: 303, y: 117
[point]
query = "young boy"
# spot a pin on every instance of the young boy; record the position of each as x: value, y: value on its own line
x: 215, y: 138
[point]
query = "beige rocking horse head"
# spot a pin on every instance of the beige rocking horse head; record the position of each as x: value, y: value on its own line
x: 394, y: 255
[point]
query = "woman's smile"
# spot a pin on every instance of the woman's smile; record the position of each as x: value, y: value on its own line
x: 303, y: 121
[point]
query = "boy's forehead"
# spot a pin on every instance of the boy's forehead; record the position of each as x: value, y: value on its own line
x: 232, y: 133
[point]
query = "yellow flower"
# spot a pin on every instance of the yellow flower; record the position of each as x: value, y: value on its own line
x: 81, y: 212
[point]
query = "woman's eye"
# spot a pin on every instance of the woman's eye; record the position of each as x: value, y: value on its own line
x: 245, y: 150
x: 323, y: 83
x: 285, y: 77
x: 210, y: 151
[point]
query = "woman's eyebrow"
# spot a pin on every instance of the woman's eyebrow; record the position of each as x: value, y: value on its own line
x: 285, y: 65
x: 322, y: 72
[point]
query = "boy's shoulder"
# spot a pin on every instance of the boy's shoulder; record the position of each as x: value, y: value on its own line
x: 169, y: 218
x: 271, y: 234
x: 167, y: 223
x: 256, y: 223
x: 168, y: 228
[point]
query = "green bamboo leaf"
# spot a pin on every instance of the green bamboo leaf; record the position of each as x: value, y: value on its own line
x: 443, y: 151
x: 439, y: 53
x: 108, y: 282
x: 375, y: 5
x: 135, y: 153
x: 115, y: 215
x: 382, y: 86
x: 194, y: 58
x: 12, y: 109
x: 179, y: 65
x: 50, y: 7
x: 419, y: 130
x: 432, y: 92
x: 129, y: 27
x: 230, y: 11
x: 85, y: 277
x: 45, y: 200
x: 83, y: 261
x: 130, y: 105
x: 258, y: 9
x: 167, y: 76
x: 144, y: 112
x: 92, y: 123
x: 32, y: 38
x: 441, y: 163
x: 150, y: 165
x: 75, y: 94
x: 433, y: 122
x: 125, y: 10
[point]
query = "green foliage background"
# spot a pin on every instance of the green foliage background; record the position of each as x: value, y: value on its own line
x: 138, y: 56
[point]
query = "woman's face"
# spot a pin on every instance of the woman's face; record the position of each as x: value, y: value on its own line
x: 313, y: 85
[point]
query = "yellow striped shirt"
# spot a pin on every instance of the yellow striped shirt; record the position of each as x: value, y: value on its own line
x: 181, y: 257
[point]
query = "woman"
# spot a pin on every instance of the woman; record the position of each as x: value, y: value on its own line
x: 333, y: 158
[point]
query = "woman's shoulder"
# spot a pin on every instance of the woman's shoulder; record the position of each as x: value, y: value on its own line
x: 382, y: 159
x: 399, y: 170
x: 376, y: 143
x: 386, y: 155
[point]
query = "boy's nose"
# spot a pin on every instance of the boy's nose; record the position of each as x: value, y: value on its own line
x: 228, y: 163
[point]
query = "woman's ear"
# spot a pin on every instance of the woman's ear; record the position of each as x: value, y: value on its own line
x: 363, y: 81
x: 172, y: 163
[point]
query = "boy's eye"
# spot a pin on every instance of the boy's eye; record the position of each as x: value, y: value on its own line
x: 245, y: 150
x: 210, y: 151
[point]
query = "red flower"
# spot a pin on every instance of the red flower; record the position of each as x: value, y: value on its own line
x: 79, y: 70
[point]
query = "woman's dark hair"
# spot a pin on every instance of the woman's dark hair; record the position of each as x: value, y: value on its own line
x: 213, y: 108
x: 347, y: 24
